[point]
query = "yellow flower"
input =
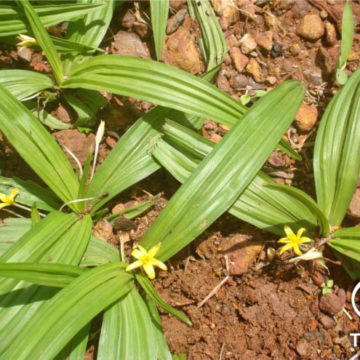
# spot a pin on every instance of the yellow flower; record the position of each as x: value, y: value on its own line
x: 292, y: 240
x: 25, y: 41
x: 8, y: 200
x: 147, y: 260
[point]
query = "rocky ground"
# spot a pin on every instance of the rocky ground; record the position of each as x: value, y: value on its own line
x: 260, y: 308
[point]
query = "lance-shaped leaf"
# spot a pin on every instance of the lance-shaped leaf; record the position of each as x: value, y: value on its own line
x: 24, y: 83
x: 29, y: 193
x: 12, y: 21
x: 180, y: 152
x: 54, y: 324
x: 36, y: 146
x: 54, y: 275
x: 59, y: 238
x: 11, y: 230
x: 346, y: 243
x: 337, y: 151
x: 159, y: 16
x: 127, y: 331
x: 212, y: 43
x: 155, y: 82
x: 42, y: 38
x: 226, y: 172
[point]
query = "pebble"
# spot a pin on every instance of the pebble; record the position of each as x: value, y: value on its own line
x: 25, y: 54
x: 331, y: 37
x: 265, y: 40
x: 318, y: 278
x: 311, y: 27
x: 271, y: 80
x: 276, y: 50
x: 306, y: 117
x: 175, y: 21
x: 331, y: 304
x: 142, y: 30
x: 247, y: 44
x: 239, y: 81
x: 129, y: 44
x: 227, y: 11
x: 303, y: 348
x: 239, y: 59
x: 254, y: 69
x: 223, y: 83
x: 327, y: 322
x: 313, y: 75
x: 295, y: 49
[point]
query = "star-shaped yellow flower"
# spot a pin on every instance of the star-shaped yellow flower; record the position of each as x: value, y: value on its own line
x: 292, y: 240
x: 25, y: 41
x: 147, y: 260
x: 8, y: 200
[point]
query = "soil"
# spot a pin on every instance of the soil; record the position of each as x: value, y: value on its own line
x: 265, y: 308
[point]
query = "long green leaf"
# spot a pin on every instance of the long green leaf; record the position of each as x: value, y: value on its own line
x: 347, y: 35
x: 12, y: 22
x: 43, y: 39
x: 24, y: 83
x: 213, y: 39
x: 145, y: 283
x: 99, y: 252
x: 36, y: 146
x: 54, y: 324
x: 337, y: 151
x: 226, y: 172
x: 180, y: 152
x: 155, y: 82
x: 55, y: 275
x: 159, y: 16
x: 29, y: 193
x: 127, y: 331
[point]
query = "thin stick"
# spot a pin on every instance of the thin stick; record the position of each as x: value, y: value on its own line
x: 347, y: 313
x: 27, y: 209
x: 221, y: 351
x: 122, y: 251
x: 78, y: 163
x: 214, y: 291
x: 12, y: 213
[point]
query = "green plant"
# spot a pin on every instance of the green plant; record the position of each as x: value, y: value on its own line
x: 326, y: 287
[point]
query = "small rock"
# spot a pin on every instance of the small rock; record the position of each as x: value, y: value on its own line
x: 180, y: 50
x: 175, y: 21
x: 128, y: 20
x: 311, y: 27
x: 329, y: 58
x: 239, y: 59
x: 323, y: 14
x: 331, y: 304
x: 25, y: 54
x: 342, y: 295
x: 276, y: 50
x: 239, y: 82
x: 223, y: 83
x: 327, y: 322
x: 252, y: 85
x: 254, y: 69
x: 177, y: 4
x: 301, y: 8
x: 247, y: 44
x: 303, y: 348
x: 318, y: 278
x: 126, y: 43
x: 270, y: 21
x: 227, y: 11
x: 276, y: 161
x: 242, y: 251
x: 354, y: 208
x: 306, y: 117
x: 313, y: 76
x: 111, y: 142
x: 295, y: 49
x: 265, y: 40
x: 271, y: 80
x: 117, y: 208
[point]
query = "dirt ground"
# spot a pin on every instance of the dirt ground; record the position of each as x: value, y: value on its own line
x: 260, y: 308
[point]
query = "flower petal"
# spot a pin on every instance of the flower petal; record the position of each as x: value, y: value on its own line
x: 149, y: 269
x: 305, y: 239
x: 285, y: 248
x: 154, y: 250
x: 138, y: 252
x: 3, y: 197
x: 284, y: 240
x: 300, y: 232
x: 134, y: 265
x: 288, y: 230
x: 297, y: 250
x: 2, y: 205
x: 14, y: 192
x: 159, y: 264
